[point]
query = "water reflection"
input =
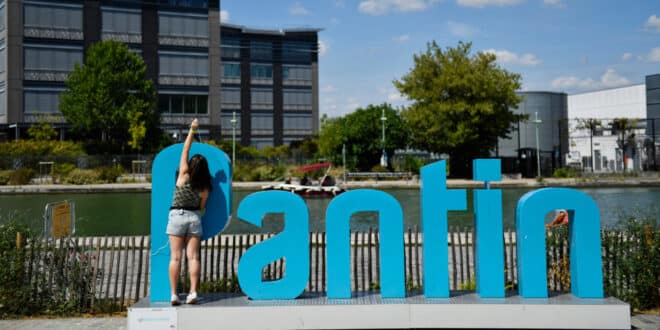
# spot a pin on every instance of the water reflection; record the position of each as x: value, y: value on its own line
x: 129, y: 213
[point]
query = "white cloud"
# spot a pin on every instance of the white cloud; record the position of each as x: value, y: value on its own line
x: 607, y: 80
x: 461, y: 30
x: 626, y: 56
x: 653, y: 56
x: 328, y: 89
x: 554, y: 3
x: 298, y: 10
x: 652, y: 24
x: 486, y: 3
x: 402, y: 38
x: 324, y: 47
x: 382, y: 7
x: 224, y: 16
x: 505, y: 56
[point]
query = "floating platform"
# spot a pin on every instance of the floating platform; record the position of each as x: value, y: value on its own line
x: 370, y: 311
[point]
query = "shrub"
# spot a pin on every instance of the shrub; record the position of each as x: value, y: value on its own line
x: 21, y: 176
x: 22, y: 148
x: 40, y: 277
x: 566, y: 172
x: 61, y: 170
x: 379, y: 168
x: 4, y: 177
x: 109, y: 173
x: 78, y: 176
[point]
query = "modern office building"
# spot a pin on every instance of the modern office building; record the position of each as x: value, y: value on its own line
x: 519, y: 152
x: 268, y: 77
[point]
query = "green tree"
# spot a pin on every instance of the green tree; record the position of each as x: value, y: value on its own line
x: 625, y: 136
x: 593, y: 125
x: 361, y: 132
x: 461, y: 103
x: 43, y: 131
x: 106, y: 92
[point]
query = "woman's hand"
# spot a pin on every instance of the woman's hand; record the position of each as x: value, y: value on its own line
x: 194, y: 124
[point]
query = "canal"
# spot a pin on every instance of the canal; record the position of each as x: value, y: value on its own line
x: 128, y: 213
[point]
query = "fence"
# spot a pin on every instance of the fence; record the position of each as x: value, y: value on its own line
x: 120, y: 265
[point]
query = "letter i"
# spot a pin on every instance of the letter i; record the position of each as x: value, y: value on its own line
x: 489, y: 258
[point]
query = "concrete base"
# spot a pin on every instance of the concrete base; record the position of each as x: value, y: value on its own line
x: 370, y: 311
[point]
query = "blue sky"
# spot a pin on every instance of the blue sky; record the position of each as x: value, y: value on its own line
x: 557, y: 45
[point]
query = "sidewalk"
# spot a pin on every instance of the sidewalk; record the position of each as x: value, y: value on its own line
x: 639, y: 321
x: 101, y: 323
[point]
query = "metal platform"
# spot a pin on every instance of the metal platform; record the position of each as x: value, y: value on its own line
x: 370, y: 311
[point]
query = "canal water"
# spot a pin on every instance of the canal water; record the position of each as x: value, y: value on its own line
x: 129, y: 213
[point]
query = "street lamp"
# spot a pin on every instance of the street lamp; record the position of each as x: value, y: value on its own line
x: 383, y: 158
x: 233, y: 138
x: 537, y: 122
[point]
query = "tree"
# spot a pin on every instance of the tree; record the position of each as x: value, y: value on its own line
x: 108, y: 95
x: 624, y: 130
x: 361, y: 132
x: 43, y: 131
x: 461, y: 103
x: 593, y: 125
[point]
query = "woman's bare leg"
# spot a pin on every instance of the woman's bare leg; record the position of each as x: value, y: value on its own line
x: 192, y: 248
x: 176, y: 245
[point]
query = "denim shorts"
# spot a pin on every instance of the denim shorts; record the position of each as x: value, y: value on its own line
x: 184, y: 223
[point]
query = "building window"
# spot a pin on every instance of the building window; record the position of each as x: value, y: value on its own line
x: 262, y: 123
x: 261, y: 73
x: 51, y: 58
x: 53, y: 15
x: 2, y: 16
x: 297, y: 99
x: 296, y: 74
x: 41, y: 101
x: 261, y: 50
x: 297, y: 51
x: 230, y: 48
x: 262, y: 98
x: 179, y: 25
x: 183, y: 104
x: 3, y: 55
x: 2, y: 102
x: 297, y: 123
x: 119, y: 20
x: 231, y: 70
x: 184, y: 64
x: 230, y: 98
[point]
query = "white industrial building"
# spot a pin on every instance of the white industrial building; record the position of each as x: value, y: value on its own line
x: 604, y: 106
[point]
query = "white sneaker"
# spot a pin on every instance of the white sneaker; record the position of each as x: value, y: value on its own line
x: 191, y: 298
x: 174, y: 300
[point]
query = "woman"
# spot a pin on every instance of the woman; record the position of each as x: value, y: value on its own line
x: 184, y: 225
x: 560, y: 220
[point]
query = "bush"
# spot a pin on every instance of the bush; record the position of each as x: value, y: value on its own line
x: 40, y: 277
x: 23, y: 148
x: 78, y: 176
x: 379, y: 168
x: 109, y: 173
x: 566, y: 172
x: 61, y: 170
x: 4, y: 177
x: 21, y: 176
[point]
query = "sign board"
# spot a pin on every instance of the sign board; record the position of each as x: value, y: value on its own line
x: 59, y: 219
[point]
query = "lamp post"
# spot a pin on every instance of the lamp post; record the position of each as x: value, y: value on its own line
x: 233, y: 138
x: 383, y: 157
x: 536, y: 123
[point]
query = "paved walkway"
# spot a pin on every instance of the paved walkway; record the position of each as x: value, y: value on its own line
x: 639, y: 321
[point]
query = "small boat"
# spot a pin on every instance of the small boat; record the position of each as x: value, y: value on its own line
x: 326, y: 186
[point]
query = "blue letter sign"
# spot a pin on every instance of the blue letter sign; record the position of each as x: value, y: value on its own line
x: 163, y: 177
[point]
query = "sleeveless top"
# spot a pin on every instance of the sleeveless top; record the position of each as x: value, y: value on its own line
x: 186, y: 198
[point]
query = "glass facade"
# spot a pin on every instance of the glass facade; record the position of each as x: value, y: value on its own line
x: 121, y: 20
x: 297, y: 99
x: 2, y: 15
x: 183, y: 25
x: 226, y: 118
x: 230, y: 47
x: 262, y: 123
x: 44, y: 101
x: 297, y: 123
x: 231, y: 70
x: 51, y: 57
x: 183, y: 104
x: 53, y: 15
x: 230, y: 97
x: 297, y: 51
x: 296, y: 74
x: 261, y: 50
x: 184, y: 64
x: 262, y: 98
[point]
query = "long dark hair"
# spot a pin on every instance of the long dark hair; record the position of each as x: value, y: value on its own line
x: 200, y: 176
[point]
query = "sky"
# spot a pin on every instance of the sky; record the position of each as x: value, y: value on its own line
x: 567, y: 46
